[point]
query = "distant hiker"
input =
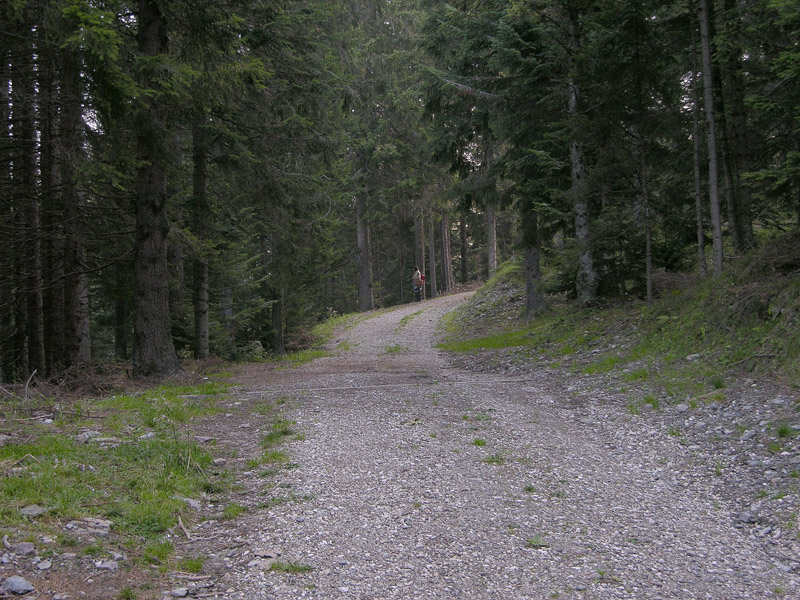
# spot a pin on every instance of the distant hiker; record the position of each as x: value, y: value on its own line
x: 418, y: 280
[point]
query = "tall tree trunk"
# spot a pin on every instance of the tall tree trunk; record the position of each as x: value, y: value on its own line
x: 200, y: 217
x: 278, y: 346
x: 153, y: 350
x: 464, y: 243
x: 491, y: 238
x: 432, y: 259
x: 121, y: 309
x: 534, y: 297
x: 6, y: 242
x: 698, y: 190
x: 24, y: 99
x: 586, y: 281
x: 448, y: 280
x: 419, y: 246
x: 648, y: 228
x: 176, y: 261
x: 738, y: 138
x: 78, y: 349
x: 711, y: 135
x: 228, y: 316
x: 52, y: 218
x: 365, y: 298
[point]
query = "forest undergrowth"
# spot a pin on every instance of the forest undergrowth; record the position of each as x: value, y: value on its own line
x: 695, y: 334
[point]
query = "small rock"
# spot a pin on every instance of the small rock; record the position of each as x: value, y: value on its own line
x: 195, y: 504
x: 4, y: 439
x: 748, y: 435
x: 61, y: 597
x: 111, y: 566
x: 218, y: 462
x: 202, y: 439
x: 18, y: 585
x: 87, y: 435
x: 5, y: 559
x: 32, y: 511
x: 24, y: 548
x: 258, y: 563
x: 746, y: 517
x: 44, y: 565
x: 692, y: 357
x: 147, y: 436
x: 266, y: 553
x: 682, y: 407
x: 179, y: 592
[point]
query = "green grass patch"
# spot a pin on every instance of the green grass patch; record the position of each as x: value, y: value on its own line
x: 537, y: 541
x: 395, y: 349
x: 495, y: 459
x: 135, y: 476
x: 301, y: 357
x: 279, y: 430
x: 406, y: 320
x: 275, y: 456
x: 479, y: 442
x: 290, y: 568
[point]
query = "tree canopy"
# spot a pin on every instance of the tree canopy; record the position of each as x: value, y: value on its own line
x: 212, y: 178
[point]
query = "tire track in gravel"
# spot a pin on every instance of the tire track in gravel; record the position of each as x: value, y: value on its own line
x: 404, y: 503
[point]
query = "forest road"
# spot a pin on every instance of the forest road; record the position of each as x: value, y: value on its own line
x: 413, y: 479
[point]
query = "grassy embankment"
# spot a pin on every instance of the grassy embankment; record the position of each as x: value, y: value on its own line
x: 692, y: 339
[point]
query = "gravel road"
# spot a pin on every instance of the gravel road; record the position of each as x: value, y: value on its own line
x: 414, y: 479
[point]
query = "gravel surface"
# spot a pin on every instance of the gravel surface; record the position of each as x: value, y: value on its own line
x: 417, y: 479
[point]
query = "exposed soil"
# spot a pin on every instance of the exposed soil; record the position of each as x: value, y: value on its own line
x: 503, y: 478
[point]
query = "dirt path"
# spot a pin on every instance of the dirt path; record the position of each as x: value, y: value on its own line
x: 413, y: 479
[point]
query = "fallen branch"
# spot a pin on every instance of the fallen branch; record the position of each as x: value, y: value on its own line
x: 186, y: 533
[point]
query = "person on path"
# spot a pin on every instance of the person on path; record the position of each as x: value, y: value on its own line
x: 418, y: 281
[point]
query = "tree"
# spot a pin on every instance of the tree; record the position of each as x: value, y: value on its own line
x: 706, y: 19
x: 153, y: 351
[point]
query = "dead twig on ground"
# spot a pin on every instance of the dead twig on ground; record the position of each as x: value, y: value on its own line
x: 185, y: 531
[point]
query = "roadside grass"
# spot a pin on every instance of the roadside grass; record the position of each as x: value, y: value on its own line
x: 406, y: 320
x: 128, y: 459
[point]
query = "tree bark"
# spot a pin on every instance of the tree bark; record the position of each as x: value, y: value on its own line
x: 711, y: 136
x: 29, y: 324
x: 448, y: 280
x: 586, y: 281
x: 154, y: 352
x: 698, y: 190
x: 121, y: 309
x: 365, y: 298
x: 6, y: 244
x: 462, y: 228
x: 228, y: 315
x: 491, y: 238
x: 278, y: 346
x: 432, y: 259
x: 419, y: 246
x: 534, y: 297
x: 78, y: 348
x: 200, y: 217
x: 738, y: 138
x: 176, y: 263
x: 648, y: 229
x: 52, y: 218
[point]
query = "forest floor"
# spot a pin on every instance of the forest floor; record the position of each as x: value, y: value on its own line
x: 401, y: 472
